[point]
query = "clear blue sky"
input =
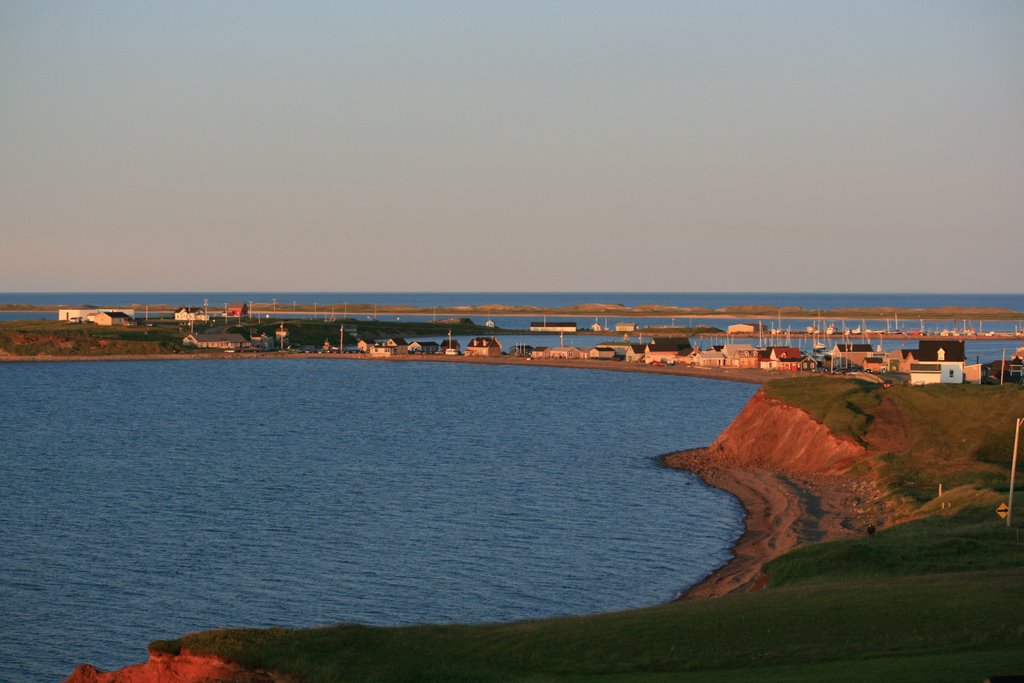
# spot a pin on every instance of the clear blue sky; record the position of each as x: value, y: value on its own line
x: 530, y: 146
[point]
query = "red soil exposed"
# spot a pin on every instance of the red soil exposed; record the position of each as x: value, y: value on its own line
x: 789, y: 472
x: 779, y: 437
x: 181, y: 668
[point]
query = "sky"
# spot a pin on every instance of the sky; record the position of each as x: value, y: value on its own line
x: 521, y: 146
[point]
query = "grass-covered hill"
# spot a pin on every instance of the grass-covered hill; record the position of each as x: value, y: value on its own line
x: 938, y: 598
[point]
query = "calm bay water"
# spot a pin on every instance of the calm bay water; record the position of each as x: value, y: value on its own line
x: 145, y: 500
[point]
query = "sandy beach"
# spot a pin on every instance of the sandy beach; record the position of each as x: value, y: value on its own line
x: 782, y: 511
x: 749, y: 376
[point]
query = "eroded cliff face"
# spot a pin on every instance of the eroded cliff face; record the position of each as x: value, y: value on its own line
x: 184, y: 667
x: 770, y: 434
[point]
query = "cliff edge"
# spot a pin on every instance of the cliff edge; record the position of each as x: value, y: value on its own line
x: 183, y: 667
x: 776, y: 436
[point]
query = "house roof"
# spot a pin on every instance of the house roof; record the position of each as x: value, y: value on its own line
x: 786, y: 352
x: 929, y: 351
x: 116, y: 314
x: 553, y: 323
x: 854, y: 348
x: 680, y: 347
x: 453, y: 344
x: 426, y: 343
x: 483, y: 342
x: 398, y: 341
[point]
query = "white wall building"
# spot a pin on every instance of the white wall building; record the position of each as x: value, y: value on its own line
x: 84, y: 315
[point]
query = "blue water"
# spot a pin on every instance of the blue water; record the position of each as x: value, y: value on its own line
x: 809, y: 300
x: 143, y: 500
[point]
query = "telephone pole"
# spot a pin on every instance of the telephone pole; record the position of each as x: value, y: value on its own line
x: 1013, y: 470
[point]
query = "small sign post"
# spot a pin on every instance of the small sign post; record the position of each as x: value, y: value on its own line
x: 1002, y: 510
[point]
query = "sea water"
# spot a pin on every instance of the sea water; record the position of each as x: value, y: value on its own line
x: 143, y: 500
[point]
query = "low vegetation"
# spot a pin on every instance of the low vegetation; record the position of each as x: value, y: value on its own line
x: 52, y: 338
x: 844, y: 406
x: 858, y: 630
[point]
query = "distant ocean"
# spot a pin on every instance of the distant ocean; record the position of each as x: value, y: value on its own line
x: 809, y: 300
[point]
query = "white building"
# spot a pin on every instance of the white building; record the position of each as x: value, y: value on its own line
x: 938, y: 362
x: 85, y: 315
x: 190, y: 314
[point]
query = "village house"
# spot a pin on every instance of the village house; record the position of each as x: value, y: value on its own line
x: 424, y: 348
x: 451, y: 347
x: 666, y: 350
x: 262, y: 341
x: 562, y: 353
x: 849, y: 355
x: 896, y: 360
x: 635, y: 353
x: 84, y: 315
x: 873, y: 363
x: 602, y: 353
x: 190, y: 314
x: 113, y: 318
x: 554, y: 326
x: 740, y: 355
x: 1008, y: 372
x: 400, y: 346
x: 785, y: 358
x: 216, y: 340
x: 809, y: 364
x: 484, y: 347
x: 364, y: 345
x: 740, y: 328
x: 383, y: 350
x: 236, y: 309
x: 938, y: 362
x: 625, y: 327
x: 712, y: 358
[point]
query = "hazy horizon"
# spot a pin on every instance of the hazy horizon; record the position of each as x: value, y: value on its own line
x: 664, y: 147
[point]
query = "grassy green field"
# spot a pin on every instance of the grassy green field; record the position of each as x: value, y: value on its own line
x: 841, y: 631
x: 938, y: 598
x: 54, y: 338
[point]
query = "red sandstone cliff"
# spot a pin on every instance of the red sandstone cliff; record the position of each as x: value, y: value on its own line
x: 184, y: 667
x: 778, y: 437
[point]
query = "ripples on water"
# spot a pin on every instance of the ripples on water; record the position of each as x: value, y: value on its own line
x: 145, y: 500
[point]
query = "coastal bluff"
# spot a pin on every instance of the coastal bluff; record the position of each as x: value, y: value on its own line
x: 779, y: 437
x: 183, y: 667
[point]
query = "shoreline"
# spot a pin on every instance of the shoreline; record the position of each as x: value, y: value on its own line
x: 744, y: 375
x: 647, y: 311
x: 781, y: 511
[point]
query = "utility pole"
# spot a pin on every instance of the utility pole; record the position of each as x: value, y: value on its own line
x: 275, y: 306
x: 1013, y: 470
